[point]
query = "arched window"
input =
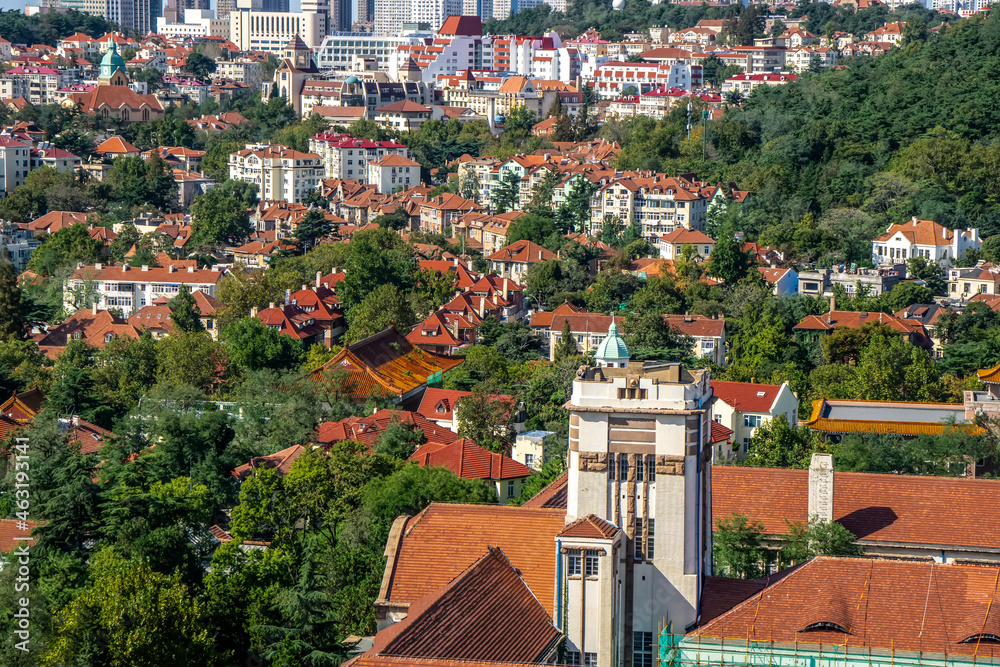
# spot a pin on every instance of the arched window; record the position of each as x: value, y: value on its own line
x: 982, y: 637
x: 825, y: 625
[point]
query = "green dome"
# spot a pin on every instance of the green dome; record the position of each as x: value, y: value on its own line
x: 111, y: 62
x: 352, y: 80
x: 612, y: 348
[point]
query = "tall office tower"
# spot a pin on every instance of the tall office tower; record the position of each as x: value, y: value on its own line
x: 639, y: 459
x: 390, y: 15
x: 322, y: 10
x: 340, y: 16
x: 133, y: 15
x: 223, y: 8
x: 367, y: 12
x: 434, y: 12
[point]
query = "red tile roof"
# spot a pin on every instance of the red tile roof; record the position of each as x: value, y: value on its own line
x: 470, y: 461
x: 281, y: 462
x: 876, y: 604
x: 522, y: 251
x: 453, y: 537
x: 853, y: 320
x: 590, y: 526
x: 116, y: 146
x: 900, y: 509
x: 747, y: 396
x: 9, y: 534
x: 553, y: 495
x: 697, y: 325
x: 369, y: 429
x: 720, y: 433
x: 486, y: 613
x: 440, y: 403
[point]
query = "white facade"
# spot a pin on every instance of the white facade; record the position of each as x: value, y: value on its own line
x: 743, y: 421
x: 924, y: 238
x: 254, y: 30
x: 638, y: 459
x: 529, y: 448
x: 338, y: 51
x: 345, y: 157
x: 129, y: 289
x: 434, y: 12
x: 197, y: 23
x: 392, y: 173
x: 278, y: 172
x: 15, y: 163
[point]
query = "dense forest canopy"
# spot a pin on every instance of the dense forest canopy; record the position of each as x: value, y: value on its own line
x: 49, y: 28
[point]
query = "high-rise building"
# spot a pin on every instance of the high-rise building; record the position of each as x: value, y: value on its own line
x: 223, y: 8
x: 390, y: 15
x: 639, y: 458
x: 133, y: 15
x: 340, y: 16
x: 253, y: 28
x: 366, y: 10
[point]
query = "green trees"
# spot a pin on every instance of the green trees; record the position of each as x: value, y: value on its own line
x: 221, y: 215
x: 566, y: 347
x: 376, y: 258
x: 737, y: 547
x: 728, y: 261
x: 399, y: 441
x: 12, y: 320
x: 252, y: 346
x: 487, y: 419
x: 129, y: 615
x: 817, y: 538
x: 137, y: 182
x: 507, y: 196
x: 312, y: 226
x: 185, y: 315
x: 64, y: 249
x: 778, y: 444
x: 200, y: 66
x: 385, y: 306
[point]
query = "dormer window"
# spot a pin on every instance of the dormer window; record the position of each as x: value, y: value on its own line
x: 825, y: 625
x: 982, y: 637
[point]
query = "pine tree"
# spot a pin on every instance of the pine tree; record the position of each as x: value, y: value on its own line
x: 12, y: 306
x: 186, y: 316
x: 313, y: 225
x: 566, y: 347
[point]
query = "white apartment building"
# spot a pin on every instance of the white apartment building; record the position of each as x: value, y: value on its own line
x: 38, y: 85
x: 393, y: 172
x: 15, y: 163
x: 923, y: 238
x: 253, y: 29
x: 339, y: 50
x: 800, y: 59
x: 458, y: 45
x: 129, y: 289
x: 346, y: 157
x: 611, y: 80
x: 280, y: 173
x: 197, y: 23
x: 745, y: 83
x: 244, y: 71
x: 659, y: 204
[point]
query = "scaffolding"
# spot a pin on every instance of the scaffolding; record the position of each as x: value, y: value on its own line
x: 674, y: 650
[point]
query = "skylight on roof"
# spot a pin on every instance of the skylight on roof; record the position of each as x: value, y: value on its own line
x: 761, y: 394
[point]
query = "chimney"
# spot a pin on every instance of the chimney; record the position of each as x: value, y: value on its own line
x: 506, y: 288
x: 305, y: 287
x: 93, y: 308
x: 253, y: 311
x: 454, y: 261
x: 270, y: 305
x: 288, y: 296
x: 75, y: 421
x: 171, y: 269
x: 914, y: 221
x: 319, y: 277
x: 190, y: 269
x: 97, y: 266
x: 821, y: 487
x: 124, y: 268
x: 145, y: 267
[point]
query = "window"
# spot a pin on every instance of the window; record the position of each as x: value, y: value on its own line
x: 590, y: 659
x: 591, y: 564
x: 622, y: 467
x: 573, y: 565
x: 642, y: 649
x: 638, y: 539
x: 752, y: 421
x: 573, y: 658
x: 651, y: 467
x: 510, y: 489
x: 529, y: 460
x: 649, y: 539
x: 639, y: 469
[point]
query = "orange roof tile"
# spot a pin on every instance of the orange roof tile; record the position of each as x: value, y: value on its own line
x: 470, y: 461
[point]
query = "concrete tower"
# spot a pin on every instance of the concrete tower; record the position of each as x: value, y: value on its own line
x: 638, y: 459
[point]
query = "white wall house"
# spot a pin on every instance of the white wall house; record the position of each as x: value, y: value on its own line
x: 129, y: 289
x: 924, y: 238
x: 743, y: 406
x: 392, y: 172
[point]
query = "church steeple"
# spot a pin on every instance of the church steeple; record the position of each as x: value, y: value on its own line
x: 113, y: 72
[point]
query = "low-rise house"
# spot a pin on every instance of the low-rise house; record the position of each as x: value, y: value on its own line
x: 529, y: 448
x: 926, y: 239
x: 745, y: 83
x: 280, y: 462
x: 672, y: 244
x: 279, y: 172
x: 128, y: 289
x: 784, y: 282
x: 708, y: 335
x: 820, y: 282
x: 404, y: 116
x: 813, y: 327
x: 927, y: 316
x: 443, y: 332
x: 444, y: 211
x: 292, y: 321
x: 513, y: 261
x: 966, y: 283
x: 115, y: 147
x: 470, y: 461
x: 369, y: 429
x: 743, y: 406
x: 393, y: 172
x: 588, y: 329
x: 95, y: 327
x: 441, y: 407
